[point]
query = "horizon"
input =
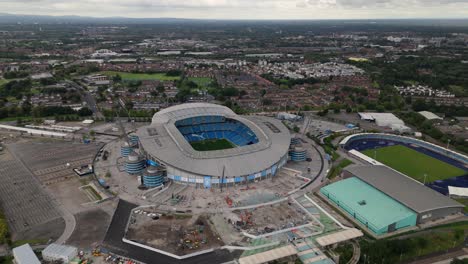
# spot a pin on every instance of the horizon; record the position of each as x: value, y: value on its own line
x: 243, y: 9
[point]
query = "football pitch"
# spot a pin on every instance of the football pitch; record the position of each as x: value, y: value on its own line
x: 212, y: 144
x: 413, y: 163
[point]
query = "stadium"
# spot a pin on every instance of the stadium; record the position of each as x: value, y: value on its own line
x: 208, y: 144
x: 388, y: 194
x: 435, y: 166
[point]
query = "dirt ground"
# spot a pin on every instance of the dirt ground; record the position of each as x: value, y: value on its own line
x: 275, y: 217
x: 172, y: 232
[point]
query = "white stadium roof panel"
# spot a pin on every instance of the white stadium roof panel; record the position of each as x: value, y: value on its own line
x: 163, y: 141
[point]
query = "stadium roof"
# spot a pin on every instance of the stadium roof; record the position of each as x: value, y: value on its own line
x: 402, y: 188
x: 164, y: 141
x: 458, y: 191
x: 429, y: 115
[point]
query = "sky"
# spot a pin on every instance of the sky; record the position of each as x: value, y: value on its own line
x: 243, y: 9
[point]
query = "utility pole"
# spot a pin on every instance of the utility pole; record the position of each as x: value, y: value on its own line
x: 222, y: 179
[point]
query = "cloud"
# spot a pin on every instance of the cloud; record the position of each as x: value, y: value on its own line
x: 250, y: 9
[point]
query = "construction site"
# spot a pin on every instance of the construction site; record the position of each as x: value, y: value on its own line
x: 180, y: 234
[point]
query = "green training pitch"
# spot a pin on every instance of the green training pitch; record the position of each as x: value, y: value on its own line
x: 413, y: 163
x: 127, y: 76
x: 212, y: 144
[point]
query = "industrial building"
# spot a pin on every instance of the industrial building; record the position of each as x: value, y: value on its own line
x: 385, y: 200
x: 259, y: 144
x: 385, y: 120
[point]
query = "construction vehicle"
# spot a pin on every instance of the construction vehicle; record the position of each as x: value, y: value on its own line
x: 96, y: 252
x: 228, y: 201
x: 246, y: 218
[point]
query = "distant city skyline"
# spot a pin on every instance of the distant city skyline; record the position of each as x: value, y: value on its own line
x: 242, y: 9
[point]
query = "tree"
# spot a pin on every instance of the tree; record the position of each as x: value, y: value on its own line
x: 160, y: 88
x: 459, y: 261
x: 85, y: 111
x: 117, y: 78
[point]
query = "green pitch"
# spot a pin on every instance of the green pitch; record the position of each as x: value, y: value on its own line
x: 212, y: 144
x: 128, y: 76
x: 414, y: 163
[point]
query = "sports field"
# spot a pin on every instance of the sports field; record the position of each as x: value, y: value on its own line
x: 127, y: 76
x: 413, y: 163
x: 212, y: 144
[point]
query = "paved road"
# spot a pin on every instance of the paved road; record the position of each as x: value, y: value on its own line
x: 89, y: 99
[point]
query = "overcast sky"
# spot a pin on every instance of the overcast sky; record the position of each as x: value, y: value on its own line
x: 243, y: 9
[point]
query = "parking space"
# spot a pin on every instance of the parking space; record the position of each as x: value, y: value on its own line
x: 24, y: 202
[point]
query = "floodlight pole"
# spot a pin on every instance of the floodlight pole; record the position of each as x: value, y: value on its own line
x: 222, y: 179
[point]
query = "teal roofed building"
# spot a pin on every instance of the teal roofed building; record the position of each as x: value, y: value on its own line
x: 374, y: 209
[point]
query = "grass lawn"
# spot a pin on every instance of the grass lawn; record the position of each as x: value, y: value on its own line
x: 3, y: 81
x: 414, y: 163
x: 201, y: 81
x: 463, y: 201
x: 127, y: 76
x: 92, y: 192
x: 213, y: 144
x: 335, y: 170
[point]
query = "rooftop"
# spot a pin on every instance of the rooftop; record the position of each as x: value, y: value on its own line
x: 429, y: 115
x: 25, y: 255
x: 379, y: 209
x: 402, y: 188
x: 164, y: 141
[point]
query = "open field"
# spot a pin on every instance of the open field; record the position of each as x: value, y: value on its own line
x: 215, y: 144
x: 414, y: 163
x: 201, y: 81
x: 127, y: 76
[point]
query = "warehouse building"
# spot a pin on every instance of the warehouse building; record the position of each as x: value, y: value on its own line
x: 385, y: 200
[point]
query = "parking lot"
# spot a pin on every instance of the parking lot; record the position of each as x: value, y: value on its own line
x: 52, y: 162
x: 25, y: 203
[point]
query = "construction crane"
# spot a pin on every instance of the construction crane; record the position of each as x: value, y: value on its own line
x: 121, y: 103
